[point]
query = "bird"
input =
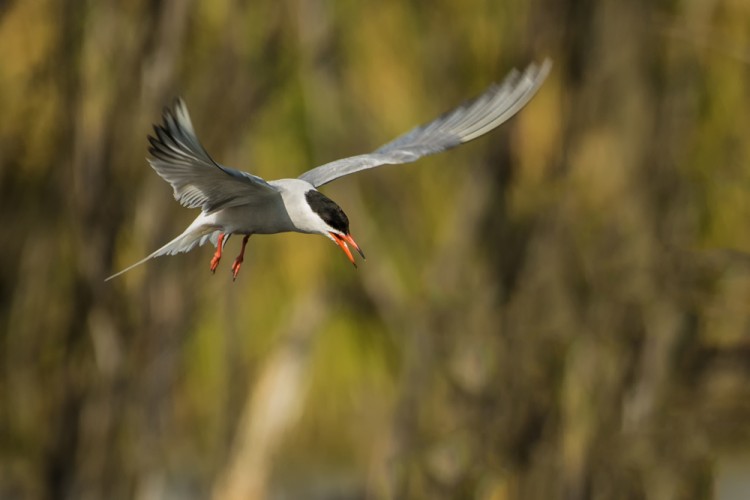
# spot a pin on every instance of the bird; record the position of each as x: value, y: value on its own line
x: 237, y: 202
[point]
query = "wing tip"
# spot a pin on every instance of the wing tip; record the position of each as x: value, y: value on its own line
x: 174, y: 134
x: 538, y: 72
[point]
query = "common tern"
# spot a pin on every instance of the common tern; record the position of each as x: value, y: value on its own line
x: 237, y: 202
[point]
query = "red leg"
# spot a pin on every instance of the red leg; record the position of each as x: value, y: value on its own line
x: 241, y: 257
x: 217, y: 254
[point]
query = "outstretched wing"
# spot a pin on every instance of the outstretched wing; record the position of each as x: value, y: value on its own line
x: 197, y: 180
x: 463, y: 124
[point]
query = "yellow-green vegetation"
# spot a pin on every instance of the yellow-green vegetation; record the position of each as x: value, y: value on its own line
x: 558, y: 310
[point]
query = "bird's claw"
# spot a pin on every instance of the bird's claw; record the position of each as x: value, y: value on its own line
x: 217, y: 254
x: 236, y: 267
x: 215, y: 263
x: 240, y: 258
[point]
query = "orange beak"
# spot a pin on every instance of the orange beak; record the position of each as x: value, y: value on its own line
x: 342, y: 241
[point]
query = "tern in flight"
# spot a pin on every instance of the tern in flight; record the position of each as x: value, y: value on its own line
x: 237, y: 202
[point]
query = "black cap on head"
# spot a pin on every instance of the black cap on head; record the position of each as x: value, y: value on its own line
x: 328, y: 210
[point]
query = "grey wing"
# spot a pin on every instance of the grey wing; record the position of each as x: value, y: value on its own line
x: 198, y: 181
x: 463, y: 124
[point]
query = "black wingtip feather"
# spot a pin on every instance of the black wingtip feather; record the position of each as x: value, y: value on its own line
x: 164, y: 145
x: 173, y: 140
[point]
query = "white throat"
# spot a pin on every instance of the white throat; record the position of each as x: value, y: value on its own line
x: 303, y: 217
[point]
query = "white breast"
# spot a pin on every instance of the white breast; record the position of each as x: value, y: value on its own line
x: 304, y: 219
x: 288, y: 211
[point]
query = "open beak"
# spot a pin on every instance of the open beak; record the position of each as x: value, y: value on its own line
x: 343, y: 242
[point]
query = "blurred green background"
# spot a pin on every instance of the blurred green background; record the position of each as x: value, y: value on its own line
x: 558, y: 310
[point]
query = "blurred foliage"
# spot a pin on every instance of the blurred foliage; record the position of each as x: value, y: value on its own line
x: 557, y: 310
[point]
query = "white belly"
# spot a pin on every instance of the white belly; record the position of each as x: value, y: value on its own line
x: 287, y: 211
x: 262, y: 218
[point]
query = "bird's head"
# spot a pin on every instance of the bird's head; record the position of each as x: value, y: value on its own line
x: 335, y: 222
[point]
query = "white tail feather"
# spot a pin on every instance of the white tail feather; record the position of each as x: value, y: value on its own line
x: 183, y: 243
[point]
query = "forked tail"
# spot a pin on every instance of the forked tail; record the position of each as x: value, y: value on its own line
x: 183, y: 243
